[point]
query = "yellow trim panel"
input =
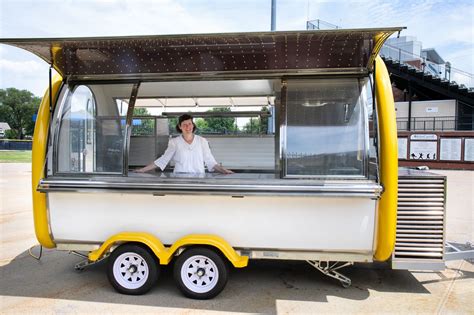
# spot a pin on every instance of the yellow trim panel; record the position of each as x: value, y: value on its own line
x: 388, y: 161
x: 40, y: 141
x: 165, y: 254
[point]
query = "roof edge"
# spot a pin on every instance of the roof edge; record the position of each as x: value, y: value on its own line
x: 264, y: 33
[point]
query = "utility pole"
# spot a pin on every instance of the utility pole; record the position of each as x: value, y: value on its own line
x: 273, y: 26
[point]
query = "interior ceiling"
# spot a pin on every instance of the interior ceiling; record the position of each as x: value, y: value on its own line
x: 206, y: 102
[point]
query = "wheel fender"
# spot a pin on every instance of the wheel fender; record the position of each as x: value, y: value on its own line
x: 214, y: 241
x: 166, y: 254
x: 147, y: 239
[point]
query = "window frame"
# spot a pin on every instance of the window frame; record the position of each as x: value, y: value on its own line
x: 283, y: 111
x: 280, y: 131
x: 62, y: 101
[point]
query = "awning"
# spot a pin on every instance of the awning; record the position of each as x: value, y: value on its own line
x: 304, y: 52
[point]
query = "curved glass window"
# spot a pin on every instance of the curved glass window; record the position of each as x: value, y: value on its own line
x: 92, y: 129
x: 326, y: 128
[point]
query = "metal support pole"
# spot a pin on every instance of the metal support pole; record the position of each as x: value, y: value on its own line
x: 273, y: 25
x: 409, y: 106
x: 51, y: 89
x: 128, y: 127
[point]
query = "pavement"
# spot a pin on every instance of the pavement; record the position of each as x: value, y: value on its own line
x: 52, y: 286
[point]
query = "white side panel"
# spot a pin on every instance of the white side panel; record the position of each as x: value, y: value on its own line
x: 427, y: 109
x: 259, y: 151
x: 299, y: 223
x: 244, y: 152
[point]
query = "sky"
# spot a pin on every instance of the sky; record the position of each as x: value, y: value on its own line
x: 447, y: 26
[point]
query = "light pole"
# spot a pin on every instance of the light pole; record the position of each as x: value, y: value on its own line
x: 273, y: 22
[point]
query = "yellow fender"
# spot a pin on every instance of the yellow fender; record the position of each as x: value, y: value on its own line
x: 165, y: 254
x: 40, y: 140
x: 388, y: 155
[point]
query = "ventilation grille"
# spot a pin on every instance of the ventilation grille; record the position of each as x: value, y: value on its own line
x: 420, y: 219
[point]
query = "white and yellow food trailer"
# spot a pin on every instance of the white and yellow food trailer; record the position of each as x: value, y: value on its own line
x: 319, y: 184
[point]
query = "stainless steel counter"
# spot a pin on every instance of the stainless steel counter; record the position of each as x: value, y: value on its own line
x: 211, y: 183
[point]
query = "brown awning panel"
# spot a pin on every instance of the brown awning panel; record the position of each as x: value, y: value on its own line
x: 276, y: 52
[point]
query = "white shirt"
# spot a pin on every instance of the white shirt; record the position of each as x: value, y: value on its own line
x: 188, y: 158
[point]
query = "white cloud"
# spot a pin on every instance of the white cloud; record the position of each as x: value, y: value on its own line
x: 20, y: 67
x: 107, y: 18
x: 29, y: 75
x: 447, y: 26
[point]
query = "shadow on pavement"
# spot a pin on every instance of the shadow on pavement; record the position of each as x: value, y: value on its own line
x: 54, y: 277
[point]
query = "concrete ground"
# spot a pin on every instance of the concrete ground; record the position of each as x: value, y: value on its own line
x: 51, y: 285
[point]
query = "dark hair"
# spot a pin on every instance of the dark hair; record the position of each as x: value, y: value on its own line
x: 183, y: 118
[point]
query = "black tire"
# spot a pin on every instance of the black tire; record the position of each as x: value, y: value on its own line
x: 206, y: 274
x: 132, y: 269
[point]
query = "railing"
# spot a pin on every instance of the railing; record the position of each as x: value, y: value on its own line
x: 447, y: 123
x: 444, y: 71
x: 320, y: 25
x: 420, y: 63
x: 13, y: 144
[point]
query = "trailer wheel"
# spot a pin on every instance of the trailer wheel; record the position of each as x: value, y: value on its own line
x: 132, y: 269
x: 200, y: 273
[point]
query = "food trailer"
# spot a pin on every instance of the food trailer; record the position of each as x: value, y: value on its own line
x: 318, y: 182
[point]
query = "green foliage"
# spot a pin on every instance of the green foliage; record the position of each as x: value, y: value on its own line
x: 172, y: 122
x: 140, y: 111
x: 146, y: 126
x: 253, y: 126
x: 17, y: 108
x: 11, y: 134
x: 201, y: 124
x: 220, y: 124
x: 257, y: 125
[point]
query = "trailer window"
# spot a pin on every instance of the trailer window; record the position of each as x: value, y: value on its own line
x: 236, y: 117
x: 325, y: 133
x: 91, y: 133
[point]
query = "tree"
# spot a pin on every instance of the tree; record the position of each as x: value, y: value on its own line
x: 17, y: 108
x: 253, y: 126
x: 142, y: 126
x: 172, y: 122
x: 220, y: 124
x: 257, y: 125
x: 201, y: 124
x: 140, y: 111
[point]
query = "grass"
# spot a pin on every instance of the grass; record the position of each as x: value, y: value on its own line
x: 15, y: 156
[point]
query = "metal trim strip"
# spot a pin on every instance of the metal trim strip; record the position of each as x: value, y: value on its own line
x: 361, y: 190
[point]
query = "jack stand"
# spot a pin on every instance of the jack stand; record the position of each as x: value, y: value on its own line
x: 37, y: 257
x: 329, y: 269
x: 85, y: 263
